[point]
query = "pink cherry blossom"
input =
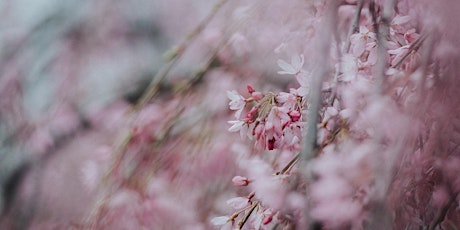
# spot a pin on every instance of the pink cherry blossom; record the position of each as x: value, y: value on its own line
x: 360, y: 40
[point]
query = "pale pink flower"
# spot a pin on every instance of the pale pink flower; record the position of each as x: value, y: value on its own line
x: 349, y: 66
x: 277, y: 119
x: 397, y: 24
x: 371, y: 47
x: 289, y: 100
x: 304, y: 81
x: 294, y: 68
x: 330, y: 112
x: 359, y: 41
x: 398, y: 54
x: 411, y: 36
x: 291, y: 136
x: 237, y: 102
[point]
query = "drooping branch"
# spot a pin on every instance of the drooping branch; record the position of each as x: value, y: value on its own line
x: 321, y: 66
x: 354, y: 25
x: 175, y: 55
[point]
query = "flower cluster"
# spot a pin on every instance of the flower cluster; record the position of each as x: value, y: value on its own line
x: 273, y: 120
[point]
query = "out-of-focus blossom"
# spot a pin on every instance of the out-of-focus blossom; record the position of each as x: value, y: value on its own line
x: 292, y: 68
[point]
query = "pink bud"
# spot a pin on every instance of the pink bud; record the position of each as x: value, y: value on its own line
x: 268, y: 219
x: 295, y: 115
x: 250, y: 89
x: 240, y: 181
x: 251, y: 195
x: 257, y: 95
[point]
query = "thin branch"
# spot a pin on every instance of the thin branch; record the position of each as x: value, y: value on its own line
x: 246, y: 217
x: 309, y: 144
x: 412, y: 48
x: 354, y: 25
x: 176, y: 54
x: 289, y: 165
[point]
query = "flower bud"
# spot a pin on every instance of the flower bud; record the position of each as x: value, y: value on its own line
x: 240, y: 181
x: 250, y: 89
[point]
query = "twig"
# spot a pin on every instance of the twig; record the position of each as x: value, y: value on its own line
x: 354, y: 25
x: 289, y: 165
x: 412, y: 48
x: 246, y: 217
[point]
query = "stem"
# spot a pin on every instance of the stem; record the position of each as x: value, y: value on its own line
x: 246, y: 217
x: 289, y: 165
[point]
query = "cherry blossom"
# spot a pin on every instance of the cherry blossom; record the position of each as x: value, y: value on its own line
x: 360, y: 40
x: 294, y: 67
x: 236, y: 102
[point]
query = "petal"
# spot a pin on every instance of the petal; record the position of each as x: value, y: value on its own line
x: 399, y: 20
x: 358, y: 48
x: 288, y: 68
x: 236, y: 125
x: 297, y: 62
x: 233, y: 95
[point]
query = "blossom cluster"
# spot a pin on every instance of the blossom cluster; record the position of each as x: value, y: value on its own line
x: 274, y: 120
x: 357, y: 146
x: 347, y: 114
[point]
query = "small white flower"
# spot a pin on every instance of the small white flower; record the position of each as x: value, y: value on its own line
x: 294, y: 68
x: 236, y: 126
x: 237, y: 102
